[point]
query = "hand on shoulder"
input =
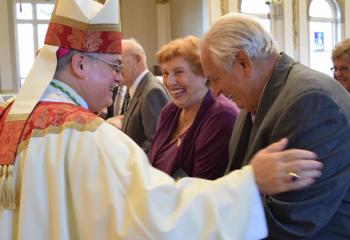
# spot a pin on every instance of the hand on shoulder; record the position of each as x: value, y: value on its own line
x: 277, y: 170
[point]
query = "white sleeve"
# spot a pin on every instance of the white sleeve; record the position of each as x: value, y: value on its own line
x: 108, y: 190
x: 257, y: 226
x: 149, y: 204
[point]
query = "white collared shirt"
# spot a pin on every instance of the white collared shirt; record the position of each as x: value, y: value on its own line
x: 133, y: 87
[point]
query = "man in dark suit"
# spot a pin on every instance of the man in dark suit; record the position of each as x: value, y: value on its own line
x: 282, y: 98
x: 146, y: 92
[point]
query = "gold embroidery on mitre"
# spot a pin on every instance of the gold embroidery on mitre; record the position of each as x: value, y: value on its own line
x: 85, y: 26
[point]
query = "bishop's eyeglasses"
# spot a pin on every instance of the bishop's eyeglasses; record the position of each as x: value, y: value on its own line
x: 117, y: 67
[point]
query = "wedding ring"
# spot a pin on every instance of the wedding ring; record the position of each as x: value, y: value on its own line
x: 293, y: 176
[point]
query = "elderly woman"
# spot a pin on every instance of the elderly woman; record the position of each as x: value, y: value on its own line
x: 194, y: 130
x: 341, y: 63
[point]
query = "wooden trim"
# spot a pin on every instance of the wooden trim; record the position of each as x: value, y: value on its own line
x: 162, y: 1
x: 223, y: 7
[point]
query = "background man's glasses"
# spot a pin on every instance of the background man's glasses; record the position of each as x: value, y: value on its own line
x: 341, y: 69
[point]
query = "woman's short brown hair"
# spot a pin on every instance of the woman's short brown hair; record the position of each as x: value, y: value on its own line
x: 342, y: 49
x: 187, y: 48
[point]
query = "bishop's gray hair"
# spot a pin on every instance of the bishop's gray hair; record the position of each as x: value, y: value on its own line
x: 64, y: 61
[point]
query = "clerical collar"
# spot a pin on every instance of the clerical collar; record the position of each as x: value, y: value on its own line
x: 55, y: 94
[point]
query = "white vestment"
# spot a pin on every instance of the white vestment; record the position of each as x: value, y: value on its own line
x: 99, y: 184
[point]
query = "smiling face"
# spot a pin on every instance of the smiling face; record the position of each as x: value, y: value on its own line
x: 341, y: 72
x: 235, y: 84
x: 100, y: 80
x: 185, y: 88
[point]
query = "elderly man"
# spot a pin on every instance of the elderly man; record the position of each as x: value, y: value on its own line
x: 147, y: 95
x: 67, y: 174
x: 282, y: 98
x: 341, y: 63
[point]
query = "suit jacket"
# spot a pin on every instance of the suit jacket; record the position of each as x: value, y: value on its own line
x: 313, y: 112
x: 144, y: 108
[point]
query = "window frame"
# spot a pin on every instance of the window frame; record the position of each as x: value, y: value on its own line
x: 35, y: 23
x: 276, y: 18
x: 259, y: 15
x: 335, y: 20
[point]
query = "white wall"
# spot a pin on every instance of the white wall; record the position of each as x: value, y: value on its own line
x: 288, y: 29
x: 347, y: 18
x: 214, y: 11
x: 303, y: 44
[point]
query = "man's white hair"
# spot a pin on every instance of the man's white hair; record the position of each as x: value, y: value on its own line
x: 134, y: 48
x: 236, y: 32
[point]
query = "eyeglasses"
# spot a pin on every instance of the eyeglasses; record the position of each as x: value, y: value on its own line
x: 341, y: 69
x: 116, y: 67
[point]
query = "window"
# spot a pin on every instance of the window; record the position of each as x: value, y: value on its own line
x: 324, y: 32
x: 270, y: 15
x: 258, y: 8
x: 31, y: 22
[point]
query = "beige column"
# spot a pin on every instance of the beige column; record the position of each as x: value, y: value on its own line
x: 303, y: 44
x: 233, y: 6
x: 347, y: 18
x: 163, y: 22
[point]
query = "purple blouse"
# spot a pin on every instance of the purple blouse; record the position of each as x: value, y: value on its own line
x: 203, y: 151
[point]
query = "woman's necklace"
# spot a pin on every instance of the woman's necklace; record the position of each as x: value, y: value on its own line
x: 187, y: 120
x: 67, y: 93
x: 182, y: 133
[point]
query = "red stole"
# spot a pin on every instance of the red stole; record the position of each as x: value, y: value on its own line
x: 47, y: 117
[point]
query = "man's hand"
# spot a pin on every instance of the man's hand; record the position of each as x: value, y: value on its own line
x: 277, y: 170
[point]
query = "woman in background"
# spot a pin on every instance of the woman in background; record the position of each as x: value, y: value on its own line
x: 194, y: 130
x: 341, y: 63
